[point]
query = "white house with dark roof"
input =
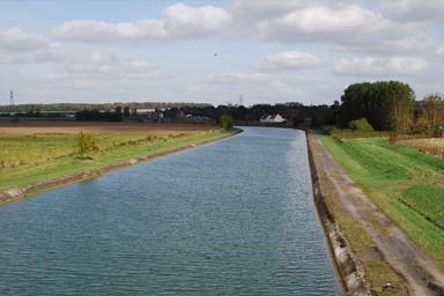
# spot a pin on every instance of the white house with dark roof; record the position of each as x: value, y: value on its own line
x: 269, y: 119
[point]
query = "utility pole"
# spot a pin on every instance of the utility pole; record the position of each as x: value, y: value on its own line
x: 241, y: 99
x: 11, y: 100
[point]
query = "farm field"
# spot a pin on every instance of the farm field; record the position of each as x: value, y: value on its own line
x: 432, y: 146
x: 34, y: 152
x: 407, y: 185
x: 74, y: 127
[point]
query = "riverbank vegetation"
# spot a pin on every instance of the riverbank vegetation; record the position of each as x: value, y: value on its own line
x: 30, y: 158
x: 405, y: 184
x: 393, y: 148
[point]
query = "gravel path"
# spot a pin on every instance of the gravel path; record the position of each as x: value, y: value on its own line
x: 422, y: 275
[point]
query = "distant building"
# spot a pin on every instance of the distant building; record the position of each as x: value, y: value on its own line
x: 269, y: 119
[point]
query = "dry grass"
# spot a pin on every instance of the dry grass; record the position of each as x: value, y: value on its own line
x: 37, y: 142
x: 27, y: 158
x: 431, y: 146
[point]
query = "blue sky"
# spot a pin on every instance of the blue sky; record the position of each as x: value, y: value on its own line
x: 268, y: 51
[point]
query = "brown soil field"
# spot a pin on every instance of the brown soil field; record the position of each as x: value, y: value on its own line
x: 99, y: 128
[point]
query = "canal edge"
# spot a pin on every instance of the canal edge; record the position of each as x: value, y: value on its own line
x: 348, y: 269
x: 19, y: 193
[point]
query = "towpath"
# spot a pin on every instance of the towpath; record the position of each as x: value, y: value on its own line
x: 422, y: 275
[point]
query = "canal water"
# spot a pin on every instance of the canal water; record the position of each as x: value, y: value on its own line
x: 234, y: 217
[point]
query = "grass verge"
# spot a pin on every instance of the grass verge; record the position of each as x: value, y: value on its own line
x: 378, y: 272
x: 405, y: 184
x: 53, y: 155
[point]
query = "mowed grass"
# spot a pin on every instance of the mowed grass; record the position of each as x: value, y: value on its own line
x: 406, y: 184
x: 428, y: 200
x: 377, y: 271
x: 27, y: 159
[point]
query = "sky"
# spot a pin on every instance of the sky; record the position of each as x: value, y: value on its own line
x: 215, y: 51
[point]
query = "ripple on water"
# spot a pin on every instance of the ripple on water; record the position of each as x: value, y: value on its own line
x: 230, y: 218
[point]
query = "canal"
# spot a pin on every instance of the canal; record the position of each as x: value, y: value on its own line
x: 234, y: 217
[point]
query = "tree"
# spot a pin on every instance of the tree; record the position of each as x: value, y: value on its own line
x: 387, y: 105
x: 433, y: 110
x: 126, y: 111
x: 323, y: 115
x: 226, y: 122
x: 86, y: 143
x: 422, y: 125
x: 117, y: 116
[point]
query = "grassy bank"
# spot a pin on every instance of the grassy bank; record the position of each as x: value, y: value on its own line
x: 28, y: 159
x: 406, y: 185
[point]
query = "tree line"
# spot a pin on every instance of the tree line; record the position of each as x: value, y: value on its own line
x: 36, y: 108
x: 385, y: 105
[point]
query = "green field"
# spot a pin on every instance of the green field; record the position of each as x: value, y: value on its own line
x: 17, y: 150
x: 26, y: 159
x: 406, y: 184
x: 427, y: 200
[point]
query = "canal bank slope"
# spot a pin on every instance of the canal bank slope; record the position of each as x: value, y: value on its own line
x: 372, y: 254
x: 110, y: 164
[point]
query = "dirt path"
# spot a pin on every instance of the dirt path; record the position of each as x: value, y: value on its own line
x: 422, y: 276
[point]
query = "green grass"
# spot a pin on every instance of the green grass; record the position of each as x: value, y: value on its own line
x: 406, y: 184
x: 53, y: 155
x: 427, y: 200
x: 19, y: 150
x: 354, y: 134
x: 377, y: 272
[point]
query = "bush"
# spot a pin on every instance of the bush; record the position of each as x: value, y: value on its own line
x: 422, y: 125
x: 339, y: 134
x: 361, y: 125
x: 86, y: 143
x: 226, y: 122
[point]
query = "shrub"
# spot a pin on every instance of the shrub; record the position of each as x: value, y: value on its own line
x: 335, y: 133
x: 86, y: 143
x: 361, y: 125
x: 226, y: 122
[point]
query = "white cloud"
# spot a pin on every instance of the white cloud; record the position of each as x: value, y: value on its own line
x: 415, y: 44
x: 411, y: 10
x: 92, y: 30
x: 50, y: 53
x: 75, y: 61
x: 19, y: 47
x: 100, y: 66
x: 440, y: 51
x: 179, y: 21
x: 185, y: 21
x: 15, y: 39
x: 350, y: 26
x: 287, y: 61
x: 253, y: 10
x: 380, y: 66
x: 235, y: 78
x: 387, y: 39
x: 248, y: 80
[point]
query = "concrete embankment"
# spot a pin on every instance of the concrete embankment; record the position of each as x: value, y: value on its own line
x: 348, y: 269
